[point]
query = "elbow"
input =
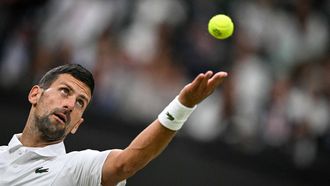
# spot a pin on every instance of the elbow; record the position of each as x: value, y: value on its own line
x: 120, y: 166
x: 131, y: 165
x: 127, y: 164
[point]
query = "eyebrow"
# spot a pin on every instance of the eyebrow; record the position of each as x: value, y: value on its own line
x: 71, y: 89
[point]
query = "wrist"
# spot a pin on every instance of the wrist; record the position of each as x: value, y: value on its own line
x: 185, y: 102
x: 175, y: 114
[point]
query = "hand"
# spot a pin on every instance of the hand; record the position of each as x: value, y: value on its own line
x: 202, y: 86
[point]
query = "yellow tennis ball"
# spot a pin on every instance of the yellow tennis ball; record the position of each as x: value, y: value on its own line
x: 221, y: 26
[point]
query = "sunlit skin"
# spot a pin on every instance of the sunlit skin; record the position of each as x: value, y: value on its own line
x: 55, y: 111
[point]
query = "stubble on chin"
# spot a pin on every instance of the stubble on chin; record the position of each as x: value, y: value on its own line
x: 47, y: 130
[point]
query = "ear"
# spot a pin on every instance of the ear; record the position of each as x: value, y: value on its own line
x: 34, y: 94
x: 76, y: 126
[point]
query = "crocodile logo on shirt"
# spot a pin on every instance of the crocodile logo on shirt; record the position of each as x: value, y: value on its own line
x: 41, y: 170
x: 169, y: 116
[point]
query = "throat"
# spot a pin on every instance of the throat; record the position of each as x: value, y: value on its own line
x: 32, y: 137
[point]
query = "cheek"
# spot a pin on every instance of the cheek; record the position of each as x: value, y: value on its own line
x: 44, y: 105
x: 75, y: 117
x: 52, y: 98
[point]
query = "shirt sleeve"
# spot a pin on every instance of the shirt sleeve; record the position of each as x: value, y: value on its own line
x: 87, y: 166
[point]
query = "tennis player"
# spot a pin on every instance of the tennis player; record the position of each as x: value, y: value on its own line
x: 37, y: 156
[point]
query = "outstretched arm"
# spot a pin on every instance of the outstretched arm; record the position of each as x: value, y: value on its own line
x: 121, y: 164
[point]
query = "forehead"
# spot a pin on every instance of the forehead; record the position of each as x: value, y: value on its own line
x: 77, y: 86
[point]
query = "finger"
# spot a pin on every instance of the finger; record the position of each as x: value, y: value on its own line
x: 208, y: 75
x: 204, y: 82
x: 197, y: 81
x: 222, y: 74
x: 216, y: 80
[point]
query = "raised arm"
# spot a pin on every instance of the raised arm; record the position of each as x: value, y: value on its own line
x: 121, y: 164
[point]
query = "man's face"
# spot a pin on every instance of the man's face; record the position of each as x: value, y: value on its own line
x: 60, y: 107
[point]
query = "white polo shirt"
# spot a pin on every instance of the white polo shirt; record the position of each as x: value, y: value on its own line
x: 49, y: 165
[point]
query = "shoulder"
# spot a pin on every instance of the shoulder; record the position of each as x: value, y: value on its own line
x: 86, y: 158
x: 85, y: 154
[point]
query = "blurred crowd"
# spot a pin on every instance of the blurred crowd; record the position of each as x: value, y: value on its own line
x: 142, y: 52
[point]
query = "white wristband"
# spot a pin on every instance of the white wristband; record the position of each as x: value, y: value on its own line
x: 175, y: 114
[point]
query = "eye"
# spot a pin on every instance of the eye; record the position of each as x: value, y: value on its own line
x: 65, y: 91
x: 80, y: 103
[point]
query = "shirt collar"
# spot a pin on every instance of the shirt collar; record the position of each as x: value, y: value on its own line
x: 47, y: 151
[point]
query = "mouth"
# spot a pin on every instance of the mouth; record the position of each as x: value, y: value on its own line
x: 61, y: 117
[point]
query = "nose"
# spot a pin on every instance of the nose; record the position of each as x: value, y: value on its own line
x: 69, y: 103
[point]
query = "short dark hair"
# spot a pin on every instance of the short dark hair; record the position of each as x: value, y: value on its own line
x: 76, y: 70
